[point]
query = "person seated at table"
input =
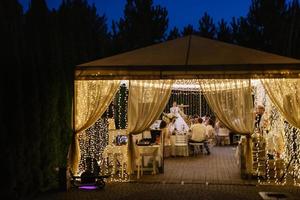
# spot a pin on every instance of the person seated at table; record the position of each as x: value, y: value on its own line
x: 205, y: 118
x: 198, y: 134
x: 221, y: 132
x: 196, y: 116
x: 210, y: 130
x: 192, y: 121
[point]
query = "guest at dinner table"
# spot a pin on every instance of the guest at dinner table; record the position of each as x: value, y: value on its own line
x: 205, y: 119
x: 196, y: 116
x: 198, y: 134
x: 210, y: 130
x: 191, y: 121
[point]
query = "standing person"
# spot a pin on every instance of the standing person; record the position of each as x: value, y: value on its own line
x: 199, y: 134
x: 180, y: 124
x: 260, y: 118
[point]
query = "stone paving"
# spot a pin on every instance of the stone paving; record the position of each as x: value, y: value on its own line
x: 210, y: 177
x: 149, y: 191
x: 218, y: 167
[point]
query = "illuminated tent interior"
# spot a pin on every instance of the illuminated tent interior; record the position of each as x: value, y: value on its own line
x: 232, y: 80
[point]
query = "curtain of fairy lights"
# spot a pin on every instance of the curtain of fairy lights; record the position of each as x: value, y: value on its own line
x: 118, y: 111
x: 92, y: 143
x: 120, y: 107
x: 282, y: 145
x: 292, y: 152
x: 94, y: 140
x: 197, y: 104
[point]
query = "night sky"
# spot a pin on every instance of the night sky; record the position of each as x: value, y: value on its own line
x: 180, y: 12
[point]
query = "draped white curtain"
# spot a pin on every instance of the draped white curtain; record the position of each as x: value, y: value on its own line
x: 231, y: 101
x: 147, y: 100
x: 285, y: 95
x: 92, y: 97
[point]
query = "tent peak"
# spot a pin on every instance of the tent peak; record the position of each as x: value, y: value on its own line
x: 193, y: 53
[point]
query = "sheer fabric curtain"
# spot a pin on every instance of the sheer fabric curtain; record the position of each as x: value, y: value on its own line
x: 92, y: 97
x: 231, y: 101
x: 285, y: 95
x: 147, y: 100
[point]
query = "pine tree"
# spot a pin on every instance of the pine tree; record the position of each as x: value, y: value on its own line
x: 173, y: 34
x: 188, y: 30
x: 11, y: 106
x: 207, y: 27
x: 143, y: 24
x: 293, y: 29
x: 224, y: 32
x: 267, y: 24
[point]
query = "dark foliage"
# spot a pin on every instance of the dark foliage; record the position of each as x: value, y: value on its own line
x: 224, y: 32
x: 40, y: 49
x: 143, y: 24
x: 207, y: 27
x: 173, y: 34
x: 270, y: 25
x: 188, y: 30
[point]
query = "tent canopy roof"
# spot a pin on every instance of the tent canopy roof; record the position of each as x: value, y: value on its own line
x: 187, y: 54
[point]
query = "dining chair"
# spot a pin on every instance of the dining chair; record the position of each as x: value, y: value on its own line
x: 223, y: 136
x: 142, y: 151
x: 181, y: 142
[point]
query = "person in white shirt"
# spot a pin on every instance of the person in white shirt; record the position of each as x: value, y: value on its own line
x: 199, y: 134
x: 210, y: 129
x: 205, y: 119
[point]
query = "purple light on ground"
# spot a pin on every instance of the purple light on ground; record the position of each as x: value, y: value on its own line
x: 88, y: 187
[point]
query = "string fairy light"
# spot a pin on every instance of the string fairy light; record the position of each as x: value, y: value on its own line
x: 292, y: 152
x: 113, y: 152
x: 92, y: 143
x: 256, y: 136
x: 285, y: 160
x: 268, y: 163
x: 122, y: 123
x: 257, y: 156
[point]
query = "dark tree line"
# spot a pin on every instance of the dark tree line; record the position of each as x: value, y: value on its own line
x: 270, y: 25
x: 41, y: 47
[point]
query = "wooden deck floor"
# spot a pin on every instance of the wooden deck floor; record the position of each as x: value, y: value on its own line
x: 219, y: 167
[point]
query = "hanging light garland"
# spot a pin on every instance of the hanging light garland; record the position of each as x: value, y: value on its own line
x: 292, y: 135
x: 122, y: 104
x: 257, y: 145
x: 188, y: 92
x: 268, y: 163
x: 290, y: 151
x: 92, y: 143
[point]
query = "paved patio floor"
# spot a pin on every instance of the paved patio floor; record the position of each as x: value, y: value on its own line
x: 212, y: 177
x: 132, y: 191
x: 219, y: 167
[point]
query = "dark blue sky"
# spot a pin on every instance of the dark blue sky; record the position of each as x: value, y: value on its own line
x: 181, y: 12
